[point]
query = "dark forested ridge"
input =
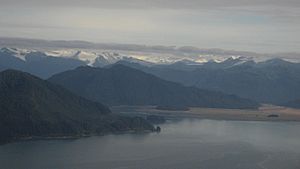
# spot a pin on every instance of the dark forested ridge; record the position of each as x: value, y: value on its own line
x: 122, y: 85
x: 30, y: 107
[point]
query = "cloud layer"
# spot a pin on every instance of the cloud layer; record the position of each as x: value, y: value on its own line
x: 257, y: 25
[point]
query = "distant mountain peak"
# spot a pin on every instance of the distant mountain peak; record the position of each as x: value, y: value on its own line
x: 238, y: 58
x: 13, y: 52
x: 188, y: 62
x: 77, y: 54
x: 276, y: 62
x: 120, y: 66
x: 35, y: 56
x: 6, y: 50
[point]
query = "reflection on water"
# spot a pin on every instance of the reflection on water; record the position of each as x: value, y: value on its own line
x: 206, y: 144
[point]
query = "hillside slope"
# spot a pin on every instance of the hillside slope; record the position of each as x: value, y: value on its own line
x: 122, y: 85
x: 30, y: 107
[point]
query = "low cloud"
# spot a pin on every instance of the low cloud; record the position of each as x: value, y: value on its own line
x: 256, y: 25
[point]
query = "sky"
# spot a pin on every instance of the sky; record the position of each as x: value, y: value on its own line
x: 265, y: 26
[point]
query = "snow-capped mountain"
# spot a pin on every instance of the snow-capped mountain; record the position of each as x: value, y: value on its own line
x: 19, y: 53
x: 100, y: 58
x: 45, y: 62
x: 93, y: 58
x: 36, y: 62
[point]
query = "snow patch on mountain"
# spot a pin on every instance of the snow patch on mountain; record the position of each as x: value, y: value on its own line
x: 105, y: 57
x: 19, y: 53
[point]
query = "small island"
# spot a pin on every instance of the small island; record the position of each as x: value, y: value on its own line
x: 158, y: 129
x: 173, y: 108
x: 273, y: 115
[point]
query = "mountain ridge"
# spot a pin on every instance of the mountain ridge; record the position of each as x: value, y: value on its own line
x: 32, y: 107
x: 119, y: 84
x: 273, y: 81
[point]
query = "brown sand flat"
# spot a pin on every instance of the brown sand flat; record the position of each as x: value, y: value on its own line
x: 284, y: 113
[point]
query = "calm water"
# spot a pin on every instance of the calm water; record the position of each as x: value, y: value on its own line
x: 189, y: 144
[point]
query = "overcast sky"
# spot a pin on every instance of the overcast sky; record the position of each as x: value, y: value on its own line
x: 252, y: 25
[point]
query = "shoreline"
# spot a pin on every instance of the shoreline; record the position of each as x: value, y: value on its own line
x: 72, y: 137
x: 262, y: 114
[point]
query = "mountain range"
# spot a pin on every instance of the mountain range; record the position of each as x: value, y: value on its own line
x: 155, y: 53
x: 271, y: 81
x: 274, y: 81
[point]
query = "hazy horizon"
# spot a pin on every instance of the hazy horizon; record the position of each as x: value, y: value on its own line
x: 153, y: 54
x: 266, y: 26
